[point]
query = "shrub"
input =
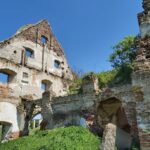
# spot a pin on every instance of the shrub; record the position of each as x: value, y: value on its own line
x: 70, y: 138
x: 106, y: 78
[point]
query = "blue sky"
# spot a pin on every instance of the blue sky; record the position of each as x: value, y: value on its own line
x: 86, y: 29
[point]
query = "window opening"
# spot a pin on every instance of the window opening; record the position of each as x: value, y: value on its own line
x: 57, y: 64
x: 29, y: 52
x: 4, y: 77
x: 43, y: 87
x: 43, y: 39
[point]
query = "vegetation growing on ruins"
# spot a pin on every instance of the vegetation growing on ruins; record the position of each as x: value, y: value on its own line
x: 106, y: 77
x: 124, y: 53
x: 70, y: 138
x: 122, y: 58
x: 76, y: 86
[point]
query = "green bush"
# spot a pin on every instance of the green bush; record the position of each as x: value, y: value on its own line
x: 76, y: 86
x: 134, y: 148
x: 115, y: 77
x: 124, y: 52
x: 70, y: 138
x: 106, y: 78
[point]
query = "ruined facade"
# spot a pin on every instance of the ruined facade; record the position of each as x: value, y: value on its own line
x: 122, y: 112
x: 32, y: 61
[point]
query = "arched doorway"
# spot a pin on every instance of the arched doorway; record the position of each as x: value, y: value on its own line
x: 111, y: 111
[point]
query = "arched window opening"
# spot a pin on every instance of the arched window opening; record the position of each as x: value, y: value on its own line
x: 4, y: 78
x: 44, y: 39
x: 57, y: 64
x: 45, y: 85
x: 29, y: 53
x: 7, y: 76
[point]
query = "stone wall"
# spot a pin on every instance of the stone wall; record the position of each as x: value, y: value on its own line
x: 124, y: 108
x: 47, y: 65
x: 141, y: 77
x: 42, y: 65
x: 141, y: 82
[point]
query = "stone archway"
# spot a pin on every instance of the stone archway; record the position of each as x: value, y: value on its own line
x: 112, y: 118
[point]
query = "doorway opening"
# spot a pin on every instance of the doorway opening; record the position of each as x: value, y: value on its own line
x: 112, y: 111
x: 35, y: 123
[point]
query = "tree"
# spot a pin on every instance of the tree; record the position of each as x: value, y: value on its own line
x: 124, y: 53
x: 123, y: 57
x: 106, y: 78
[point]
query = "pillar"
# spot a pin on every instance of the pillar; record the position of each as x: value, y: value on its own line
x: 109, y: 137
x: 46, y: 110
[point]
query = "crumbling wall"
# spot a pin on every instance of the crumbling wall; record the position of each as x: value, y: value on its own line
x: 41, y: 66
x: 126, y: 107
x: 118, y: 106
x: 27, y: 73
x: 8, y: 115
x: 141, y: 82
x: 141, y: 77
x: 69, y: 109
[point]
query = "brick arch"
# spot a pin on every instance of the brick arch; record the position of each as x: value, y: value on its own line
x: 111, y: 110
x: 113, y: 119
x: 8, y: 71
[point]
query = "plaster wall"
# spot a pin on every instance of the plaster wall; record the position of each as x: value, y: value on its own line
x: 8, y: 114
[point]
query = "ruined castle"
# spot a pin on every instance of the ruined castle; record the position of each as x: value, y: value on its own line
x: 37, y: 78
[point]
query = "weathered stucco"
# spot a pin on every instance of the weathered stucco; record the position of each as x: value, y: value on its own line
x: 10, y: 116
x: 26, y: 74
x: 122, y: 112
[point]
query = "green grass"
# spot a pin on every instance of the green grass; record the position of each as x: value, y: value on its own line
x: 70, y: 138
